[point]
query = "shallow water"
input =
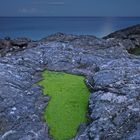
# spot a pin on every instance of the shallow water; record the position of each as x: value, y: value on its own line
x: 39, y: 27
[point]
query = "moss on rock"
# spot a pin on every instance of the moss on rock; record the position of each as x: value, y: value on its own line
x: 68, y: 103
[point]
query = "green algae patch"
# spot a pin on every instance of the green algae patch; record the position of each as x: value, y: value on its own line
x: 68, y: 103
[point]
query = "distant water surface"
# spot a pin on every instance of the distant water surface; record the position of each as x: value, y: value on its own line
x: 39, y: 27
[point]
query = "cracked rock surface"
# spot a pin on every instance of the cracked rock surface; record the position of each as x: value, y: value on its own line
x: 112, y: 76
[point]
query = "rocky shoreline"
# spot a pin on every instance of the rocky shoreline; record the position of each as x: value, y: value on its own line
x: 112, y: 76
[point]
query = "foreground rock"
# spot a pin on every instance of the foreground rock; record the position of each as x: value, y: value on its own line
x: 112, y: 75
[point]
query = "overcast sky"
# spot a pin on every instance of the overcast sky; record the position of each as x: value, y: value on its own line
x: 70, y: 8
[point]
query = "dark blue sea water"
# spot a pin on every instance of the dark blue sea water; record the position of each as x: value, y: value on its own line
x: 40, y: 27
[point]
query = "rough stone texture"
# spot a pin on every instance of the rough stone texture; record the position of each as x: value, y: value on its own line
x: 112, y: 75
x: 10, y: 46
x: 129, y: 37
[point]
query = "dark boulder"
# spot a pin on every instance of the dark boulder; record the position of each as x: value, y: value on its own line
x: 8, y: 46
x: 129, y: 37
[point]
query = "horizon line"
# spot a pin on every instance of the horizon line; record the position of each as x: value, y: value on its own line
x: 69, y: 16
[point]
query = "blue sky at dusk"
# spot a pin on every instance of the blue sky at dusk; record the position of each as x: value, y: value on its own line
x: 70, y: 8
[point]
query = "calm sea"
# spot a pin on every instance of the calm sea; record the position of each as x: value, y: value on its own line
x: 39, y: 27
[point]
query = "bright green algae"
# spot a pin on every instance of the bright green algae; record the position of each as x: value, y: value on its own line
x: 68, y: 103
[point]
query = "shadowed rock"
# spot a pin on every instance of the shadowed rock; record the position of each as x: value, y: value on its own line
x: 129, y: 37
x: 8, y: 46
